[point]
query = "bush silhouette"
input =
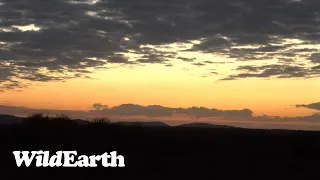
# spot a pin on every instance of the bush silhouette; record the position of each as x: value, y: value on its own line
x: 61, y: 117
x: 37, y: 119
x: 61, y: 120
x: 100, y: 121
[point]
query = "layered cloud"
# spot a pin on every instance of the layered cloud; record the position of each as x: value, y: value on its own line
x: 59, y: 39
x: 133, y: 110
x: 315, y: 106
x: 174, y: 116
x: 276, y: 70
x: 161, y: 111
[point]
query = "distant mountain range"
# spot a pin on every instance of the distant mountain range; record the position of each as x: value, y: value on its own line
x: 9, y: 119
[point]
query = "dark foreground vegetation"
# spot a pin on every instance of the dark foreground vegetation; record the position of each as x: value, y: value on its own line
x: 153, y: 152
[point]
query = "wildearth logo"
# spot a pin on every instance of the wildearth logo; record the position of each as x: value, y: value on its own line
x: 67, y: 159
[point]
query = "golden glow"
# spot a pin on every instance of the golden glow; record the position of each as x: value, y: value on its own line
x: 169, y: 86
x: 179, y: 86
x: 30, y: 27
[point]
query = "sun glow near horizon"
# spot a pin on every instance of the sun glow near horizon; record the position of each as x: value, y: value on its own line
x: 168, y: 86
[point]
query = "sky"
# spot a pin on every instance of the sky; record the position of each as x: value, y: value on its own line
x: 260, y: 57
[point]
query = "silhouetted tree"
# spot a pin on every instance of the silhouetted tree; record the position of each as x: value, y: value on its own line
x: 61, y: 120
x: 37, y: 119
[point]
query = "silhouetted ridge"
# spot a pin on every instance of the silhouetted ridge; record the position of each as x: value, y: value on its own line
x: 153, y: 151
x: 146, y: 124
x: 9, y: 119
x: 205, y: 125
x: 81, y: 121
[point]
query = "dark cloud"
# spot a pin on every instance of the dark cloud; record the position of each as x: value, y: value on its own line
x: 99, y: 106
x: 25, y: 111
x: 118, y: 58
x: 316, y: 67
x: 199, y: 64
x: 221, y: 62
x: 213, y: 44
x: 99, y: 109
x: 150, y: 55
x: 73, y: 32
x: 311, y: 118
x: 315, y: 106
x: 186, y: 59
x: 315, y: 58
x: 205, y: 112
x: 158, y: 111
x: 241, y: 118
x: 249, y: 68
x: 278, y: 71
x: 133, y: 109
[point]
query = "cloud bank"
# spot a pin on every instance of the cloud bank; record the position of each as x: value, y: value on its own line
x: 56, y: 40
x: 176, y: 116
x: 315, y: 106
x: 99, y: 109
x: 156, y: 111
x: 161, y: 111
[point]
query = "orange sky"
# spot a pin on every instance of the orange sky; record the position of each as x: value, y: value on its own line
x: 172, y: 87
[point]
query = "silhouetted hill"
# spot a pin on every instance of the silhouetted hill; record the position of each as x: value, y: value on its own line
x: 204, y: 125
x: 8, y: 119
x: 155, y: 152
x: 145, y: 124
x: 81, y: 121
